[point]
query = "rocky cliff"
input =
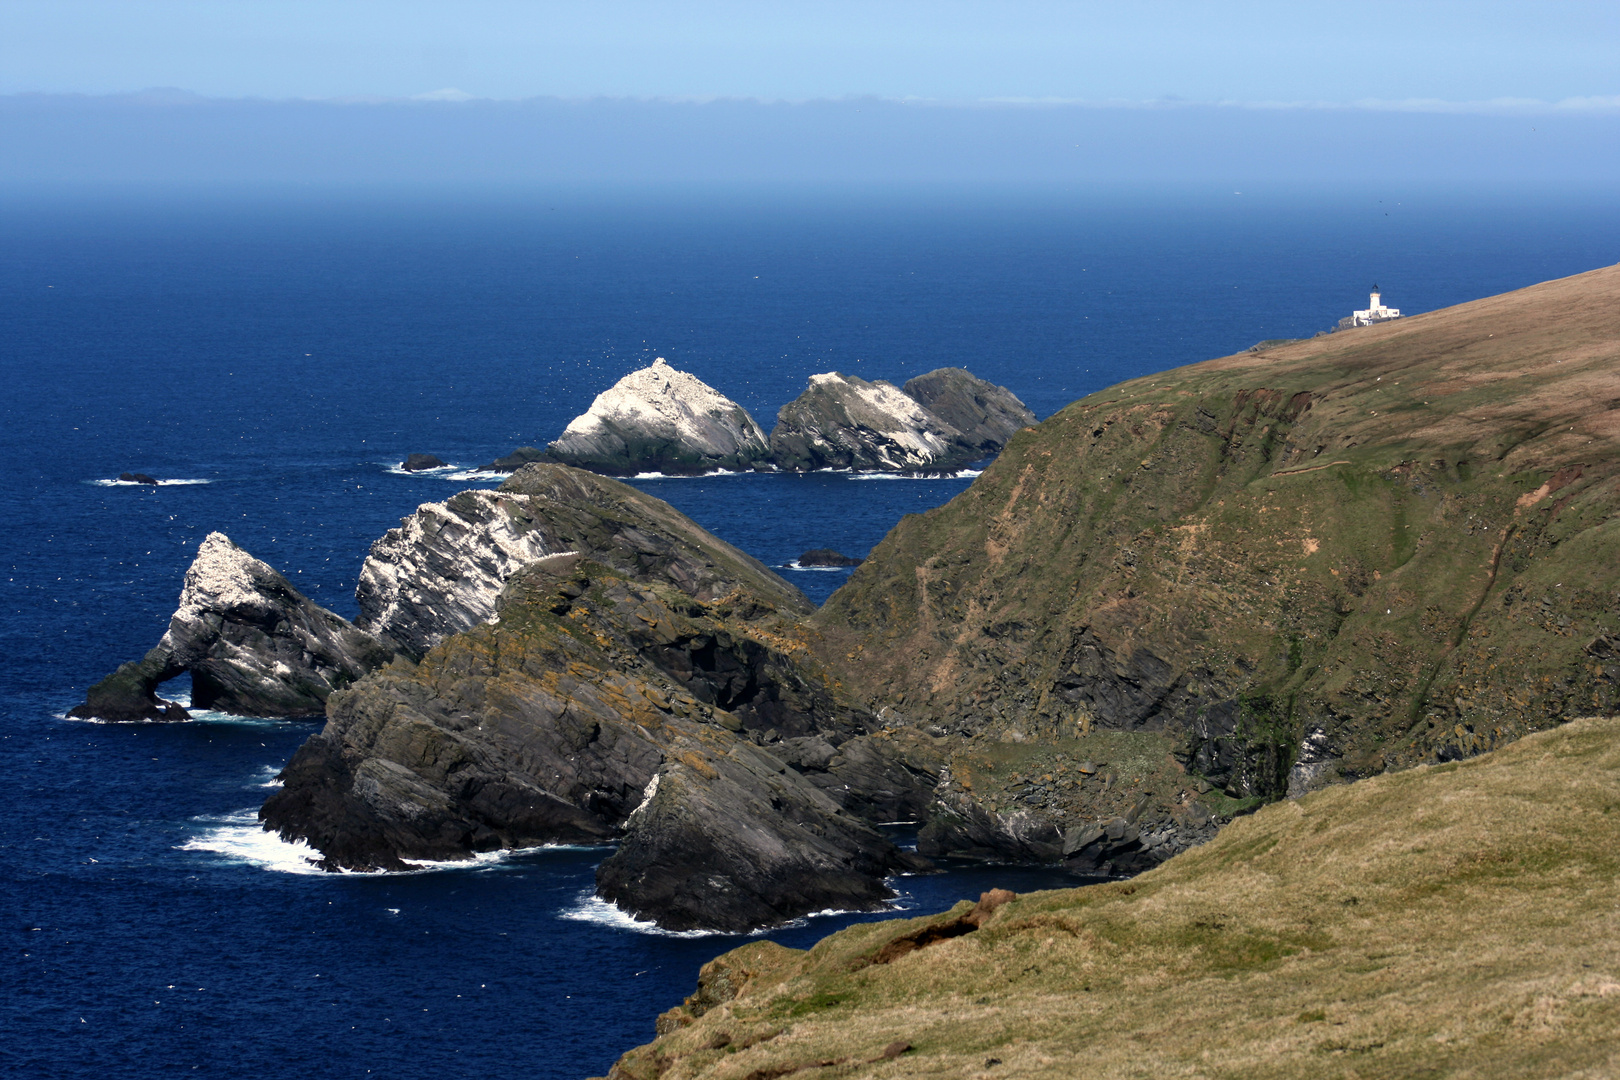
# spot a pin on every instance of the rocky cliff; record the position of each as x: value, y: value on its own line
x: 1261, y: 575
x: 254, y: 645
x: 661, y: 420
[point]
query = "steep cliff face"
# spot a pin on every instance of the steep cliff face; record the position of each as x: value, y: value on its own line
x: 1393, y: 545
x: 442, y: 570
x: 661, y: 420
x: 845, y: 422
x: 254, y: 645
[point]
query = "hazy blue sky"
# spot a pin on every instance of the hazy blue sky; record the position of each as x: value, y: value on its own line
x: 1258, y: 52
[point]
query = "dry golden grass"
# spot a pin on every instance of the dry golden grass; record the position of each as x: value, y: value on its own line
x: 1460, y: 920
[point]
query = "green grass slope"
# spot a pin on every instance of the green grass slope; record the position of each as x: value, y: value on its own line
x: 1391, y: 545
x: 1448, y: 920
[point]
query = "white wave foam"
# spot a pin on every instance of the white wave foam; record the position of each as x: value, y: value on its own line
x: 959, y: 474
x: 268, y: 776
x: 477, y: 474
x: 398, y: 469
x: 685, y: 476
x: 240, y: 838
x: 137, y: 483
x: 794, y: 565
x: 590, y: 908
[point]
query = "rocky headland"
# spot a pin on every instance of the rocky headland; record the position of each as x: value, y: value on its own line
x: 659, y: 419
x: 1258, y: 576
x: 649, y: 685
x: 1175, y: 601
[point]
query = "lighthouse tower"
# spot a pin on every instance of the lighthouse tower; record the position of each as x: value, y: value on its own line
x: 1376, y: 312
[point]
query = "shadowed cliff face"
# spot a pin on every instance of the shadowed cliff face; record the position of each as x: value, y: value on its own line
x: 1391, y: 545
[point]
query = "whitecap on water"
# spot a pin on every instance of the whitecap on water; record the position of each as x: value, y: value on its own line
x: 137, y: 483
x: 794, y: 565
x: 267, y: 776
x: 689, y: 476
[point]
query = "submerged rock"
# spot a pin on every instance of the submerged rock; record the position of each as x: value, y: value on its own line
x: 514, y: 461
x: 661, y: 420
x: 987, y: 415
x: 443, y: 569
x: 421, y: 462
x: 845, y: 422
x: 826, y: 557
x: 254, y: 646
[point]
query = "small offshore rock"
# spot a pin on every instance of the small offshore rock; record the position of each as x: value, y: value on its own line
x: 421, y: 463
x: 136, y: 478
x: 826, y: 557
x: 514, y: 461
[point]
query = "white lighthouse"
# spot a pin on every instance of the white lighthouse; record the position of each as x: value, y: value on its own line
x: 1375, y: 312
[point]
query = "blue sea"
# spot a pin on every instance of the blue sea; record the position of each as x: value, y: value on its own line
x: 272, y: 355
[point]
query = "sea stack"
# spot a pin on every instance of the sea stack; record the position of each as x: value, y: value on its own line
x: 254, y: 645
x: 845, y: 422
x: 662, y: 420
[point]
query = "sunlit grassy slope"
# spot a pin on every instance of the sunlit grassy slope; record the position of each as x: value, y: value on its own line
x: 1451, y: 920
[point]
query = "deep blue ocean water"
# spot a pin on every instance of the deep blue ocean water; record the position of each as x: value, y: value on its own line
x: 287, y: 349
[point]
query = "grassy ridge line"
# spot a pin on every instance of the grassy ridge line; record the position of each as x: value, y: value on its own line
x: 1404, y: 537
x: 1449, y: 920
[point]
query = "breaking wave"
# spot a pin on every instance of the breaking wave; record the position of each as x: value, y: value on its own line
x: 590, y: 908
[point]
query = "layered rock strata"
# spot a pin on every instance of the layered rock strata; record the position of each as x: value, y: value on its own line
x: 1345, y: 555
x: 659, y: 419
x: 443, y: 569
x: 254, y: 645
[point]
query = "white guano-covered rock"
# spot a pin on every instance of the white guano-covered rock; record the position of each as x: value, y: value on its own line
x: 659, y: 419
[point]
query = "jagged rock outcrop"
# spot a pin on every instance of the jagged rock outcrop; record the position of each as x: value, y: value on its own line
x: 661, y: 420
x: 552, y: 723
x: 1273, y: 571
x: 421, y: 463
x: 254, y: 645
x: 845, y: 422
x: 443, y: 569
x: 523, y: 455
x: 987, y: 415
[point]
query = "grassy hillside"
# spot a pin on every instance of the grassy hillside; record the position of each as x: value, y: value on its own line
x: 1448, y: 920
x: 1312, y: 563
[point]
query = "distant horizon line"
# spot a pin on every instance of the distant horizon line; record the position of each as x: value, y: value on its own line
x: 453, y: 96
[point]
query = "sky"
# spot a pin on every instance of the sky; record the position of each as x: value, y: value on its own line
x: 503, y: 91
x: 1122, y: 50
